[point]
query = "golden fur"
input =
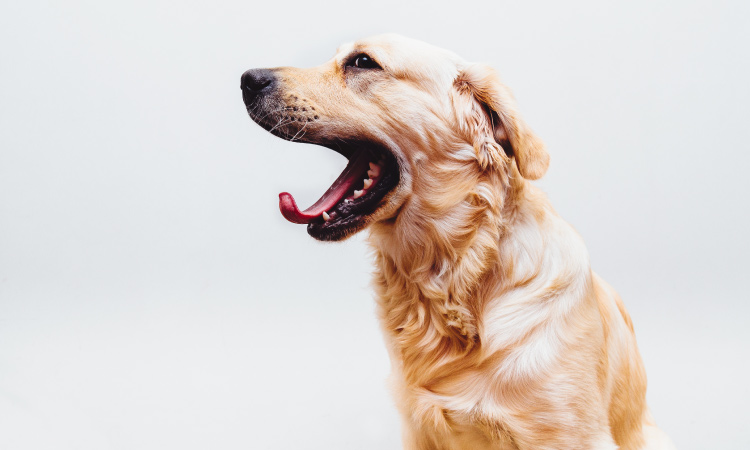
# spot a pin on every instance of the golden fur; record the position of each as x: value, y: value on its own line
x: 500, y: 334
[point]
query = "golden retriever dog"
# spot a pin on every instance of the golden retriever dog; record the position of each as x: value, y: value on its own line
x: 500, y: 334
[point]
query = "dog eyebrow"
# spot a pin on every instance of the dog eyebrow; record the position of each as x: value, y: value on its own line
x: 345, y: 47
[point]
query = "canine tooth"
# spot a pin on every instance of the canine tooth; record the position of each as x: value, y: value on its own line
x: 368, y: 183
x: 358, y: 194
x: 326, y: 217
x: 374, y: 170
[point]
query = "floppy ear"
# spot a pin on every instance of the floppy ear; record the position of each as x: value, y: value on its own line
x: 489, y: 112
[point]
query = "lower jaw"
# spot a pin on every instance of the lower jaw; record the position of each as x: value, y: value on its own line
x: 338, y: 232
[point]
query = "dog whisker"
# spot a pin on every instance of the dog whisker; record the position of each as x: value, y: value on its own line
x: 293, y: 138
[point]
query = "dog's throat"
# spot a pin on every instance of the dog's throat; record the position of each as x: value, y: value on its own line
x: 343, y: 189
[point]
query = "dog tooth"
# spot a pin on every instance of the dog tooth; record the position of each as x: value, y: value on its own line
x: 368, y: 183
x: 374, y: 170
x: 358, y: 194
x: 326, y: 217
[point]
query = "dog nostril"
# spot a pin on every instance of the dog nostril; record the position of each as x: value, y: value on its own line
x: 256, y: 80
x: 257, y: 85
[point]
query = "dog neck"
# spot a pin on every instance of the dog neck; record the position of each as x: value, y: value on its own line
x: 432, y: 260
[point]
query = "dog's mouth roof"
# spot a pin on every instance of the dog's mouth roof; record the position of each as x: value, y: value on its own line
x: 360, y: 177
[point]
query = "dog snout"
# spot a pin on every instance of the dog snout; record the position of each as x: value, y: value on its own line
x: 256, y: 82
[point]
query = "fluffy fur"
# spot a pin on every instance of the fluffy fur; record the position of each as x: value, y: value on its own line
x: 500, y: 334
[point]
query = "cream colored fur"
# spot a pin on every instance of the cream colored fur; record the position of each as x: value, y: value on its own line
x: 500, y: 334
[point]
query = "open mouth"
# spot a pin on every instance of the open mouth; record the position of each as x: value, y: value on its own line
x: 352, y: 200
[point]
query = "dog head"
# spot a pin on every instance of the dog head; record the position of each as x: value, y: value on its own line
x: 415, y: 121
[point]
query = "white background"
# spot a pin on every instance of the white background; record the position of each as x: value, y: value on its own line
x: 152, y: 296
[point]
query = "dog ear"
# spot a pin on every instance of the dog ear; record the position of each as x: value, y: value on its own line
x: 488, y: 111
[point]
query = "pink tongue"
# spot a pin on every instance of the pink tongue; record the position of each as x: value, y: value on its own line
x: 344, y: 184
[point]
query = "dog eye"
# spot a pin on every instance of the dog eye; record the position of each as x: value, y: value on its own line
x: 363, y: 61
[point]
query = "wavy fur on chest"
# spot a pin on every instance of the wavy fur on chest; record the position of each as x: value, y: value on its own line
x: 499, y: 333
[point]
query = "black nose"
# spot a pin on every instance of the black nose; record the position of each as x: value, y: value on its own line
x: 255, y: 81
